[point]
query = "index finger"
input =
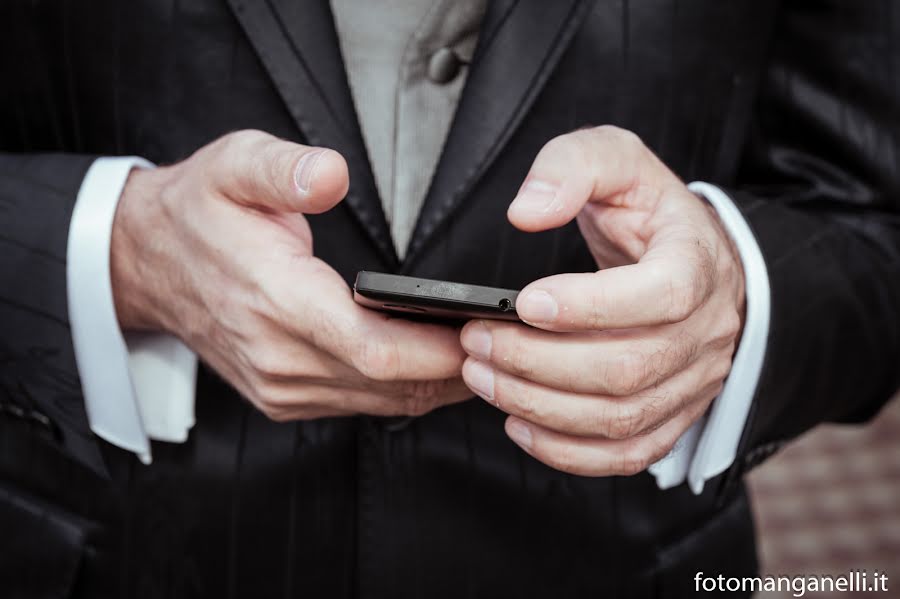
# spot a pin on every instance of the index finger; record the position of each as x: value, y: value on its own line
x: 666, y: 286
x: 378, y: 346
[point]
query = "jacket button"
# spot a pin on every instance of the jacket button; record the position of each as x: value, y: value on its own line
x: 443, y: 66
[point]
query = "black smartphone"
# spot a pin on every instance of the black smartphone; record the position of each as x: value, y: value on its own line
x: 429, y: 299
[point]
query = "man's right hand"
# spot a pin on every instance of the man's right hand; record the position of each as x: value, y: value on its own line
x: 216, y: 250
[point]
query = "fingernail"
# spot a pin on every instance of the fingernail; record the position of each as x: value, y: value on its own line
x: 536, y: 306
x: 305, y: 173
x: 480, y: 379
x: 536, y: 197
x: 520, y: 433
x: 476, y: 340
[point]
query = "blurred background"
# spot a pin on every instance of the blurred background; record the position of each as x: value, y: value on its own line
x: 830, y: 502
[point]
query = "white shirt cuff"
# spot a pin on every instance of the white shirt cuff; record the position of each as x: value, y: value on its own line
x: 709, y: 447
x: 135, y: 388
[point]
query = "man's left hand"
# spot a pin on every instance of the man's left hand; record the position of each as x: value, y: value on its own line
x: 620, y: 362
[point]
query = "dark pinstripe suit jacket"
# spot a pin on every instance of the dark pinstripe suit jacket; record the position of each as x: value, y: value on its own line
x: 792, y: 106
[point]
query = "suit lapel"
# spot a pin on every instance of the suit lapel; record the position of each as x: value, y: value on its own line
x: 521, y: 42
x: 298, y: 45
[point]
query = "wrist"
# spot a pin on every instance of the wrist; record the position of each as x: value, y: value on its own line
x: 136, y: 283
x: 735, y: 268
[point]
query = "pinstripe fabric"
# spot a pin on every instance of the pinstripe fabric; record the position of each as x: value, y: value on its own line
x: 791, y: 105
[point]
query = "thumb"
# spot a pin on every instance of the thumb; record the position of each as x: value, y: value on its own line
x: 260, y: 170
x: 605, y: 165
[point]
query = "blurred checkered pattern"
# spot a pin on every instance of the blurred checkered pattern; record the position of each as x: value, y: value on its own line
x: 830, y: 502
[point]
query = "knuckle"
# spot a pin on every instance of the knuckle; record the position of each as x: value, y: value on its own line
x: 235, y: 142
x: 671, y: 355
x: 419, y: 406
x: 676, y: 402
x: 672, y: 304
x: 226, y: 143
x: 682, y: 295
x: 237, y: 154
x: 246, y: 139
x: 572, y: 149
x: 561, y: 144
x: 627, y: 422
x: 629, y: 376
x: 629, y: 146
x: 658, y: 449
x: 269, y: 398
x: 730, y: 326
x: 621, y: 428
x: 721, y: 369
x: 581, y: 148
x: 270, y: 365
x: 605, y: 373
x: 563, y: 458
x: 633, y: 460
x: 281, y: 403
x: 271, y: 404
x: 376, y: 359
x: 707, y: 266
x: 596, y: 421
x: 623, y: 137
x: 513, y: 355
x: 527, y: 406
x: 596, y: 307
x: 278, y: 415
x: 629, y: 152
x: 576, y: 422
x: 421, y: 397
x: 273, y: 169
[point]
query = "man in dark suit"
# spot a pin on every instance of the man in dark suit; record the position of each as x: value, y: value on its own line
x: 333, y: 453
